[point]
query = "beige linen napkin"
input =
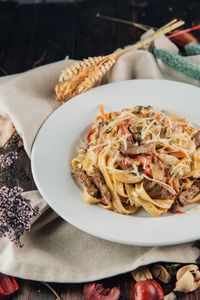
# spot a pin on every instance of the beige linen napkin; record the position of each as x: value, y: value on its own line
x: 53, y: 249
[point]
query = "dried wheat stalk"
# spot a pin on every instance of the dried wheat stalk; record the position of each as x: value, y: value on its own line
x: 82, y: 76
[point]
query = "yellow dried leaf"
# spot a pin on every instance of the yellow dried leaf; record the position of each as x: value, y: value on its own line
x: 161, y: 273
x: 141, y: 273
x: 187, y: 279
x: 184, y: 269
x: 82, y: 76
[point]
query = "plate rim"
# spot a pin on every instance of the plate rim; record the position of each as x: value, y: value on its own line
x: 92, y: 232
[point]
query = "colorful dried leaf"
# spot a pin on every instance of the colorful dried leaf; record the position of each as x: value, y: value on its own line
x: 141, y: 273
x: 82, y: 76
x: 186, y: 279
x: 161, y: 273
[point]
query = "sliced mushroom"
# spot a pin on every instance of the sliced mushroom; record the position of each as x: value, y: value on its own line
x: 141, y: 273
x: 161, y: 273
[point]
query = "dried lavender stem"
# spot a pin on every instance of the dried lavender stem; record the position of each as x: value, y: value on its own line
x: 53, y: 291
x: 135, y: 24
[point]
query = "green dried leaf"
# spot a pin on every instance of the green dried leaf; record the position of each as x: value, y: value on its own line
x: 172, y: 268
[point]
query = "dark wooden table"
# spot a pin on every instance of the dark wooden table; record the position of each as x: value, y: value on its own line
x: 32, y: 35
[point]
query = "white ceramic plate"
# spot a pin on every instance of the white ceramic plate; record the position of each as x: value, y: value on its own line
x: 54, y: 147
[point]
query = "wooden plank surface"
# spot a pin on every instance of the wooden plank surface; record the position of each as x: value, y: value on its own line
x: 40, y: 34
x: 7, y: 15
x: 37, y: 34
x: 98, y: 37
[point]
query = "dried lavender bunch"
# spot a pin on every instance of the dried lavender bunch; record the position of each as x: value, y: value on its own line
x: 16, y: 214
x: 8, y: 157
x: 8, y: 170
x: 13, y: 142
x: 7, y: 160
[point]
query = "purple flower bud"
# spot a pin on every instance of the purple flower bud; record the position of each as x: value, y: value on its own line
x: 8, y: 159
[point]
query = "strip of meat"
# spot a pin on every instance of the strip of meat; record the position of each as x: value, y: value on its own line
x: 124, y: 162
x: 175, y: 206
x: 136, y: 133
x: 187, y: 195
x: 139, y: 109
x: 197, y: 183
x: 157, y: 191
x: 101, y: 185
x: 196, y: 139
x: 135, y: 150
x: 86, y: 181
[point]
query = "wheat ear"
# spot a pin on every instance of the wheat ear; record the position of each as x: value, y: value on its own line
x: 84, y: 75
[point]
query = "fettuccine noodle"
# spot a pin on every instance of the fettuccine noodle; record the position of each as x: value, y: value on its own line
x: 139, y: 158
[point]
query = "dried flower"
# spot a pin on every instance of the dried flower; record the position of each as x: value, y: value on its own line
x: 141, y: 273
x: 172, y: 268
x: 16, y: 214
x: 84, y: 75
x: 8, y: 286
x: 13, y: 142
x: 179, y: 63
x: 170, y: 296
x: 94, y: 291
x: 7, y: 160
x: 187, y: 279
x: 148, y: 289
x: 192, y: 49
x: 161, y: 273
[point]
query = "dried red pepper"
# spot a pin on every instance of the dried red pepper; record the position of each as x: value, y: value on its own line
x: 96, y: 291
x: 148, y: 289
x: 8, y: 286
x: 144, y: 160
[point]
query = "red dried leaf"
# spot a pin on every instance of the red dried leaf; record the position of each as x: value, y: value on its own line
x: 96, y: 291
x: 148, y: 289
x: 8, y: 286
x: 183, y: 37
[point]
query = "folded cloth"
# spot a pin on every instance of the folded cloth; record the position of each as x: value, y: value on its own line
x: 55, y: 250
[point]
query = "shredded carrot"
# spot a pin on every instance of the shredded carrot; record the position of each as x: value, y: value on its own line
x: 102, y: 113
x: 173, y: 183
x: 178, y: 211
x: 123, y: 129
x: 90, y: 132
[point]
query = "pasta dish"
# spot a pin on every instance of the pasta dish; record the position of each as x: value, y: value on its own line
x: 139, y: 158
